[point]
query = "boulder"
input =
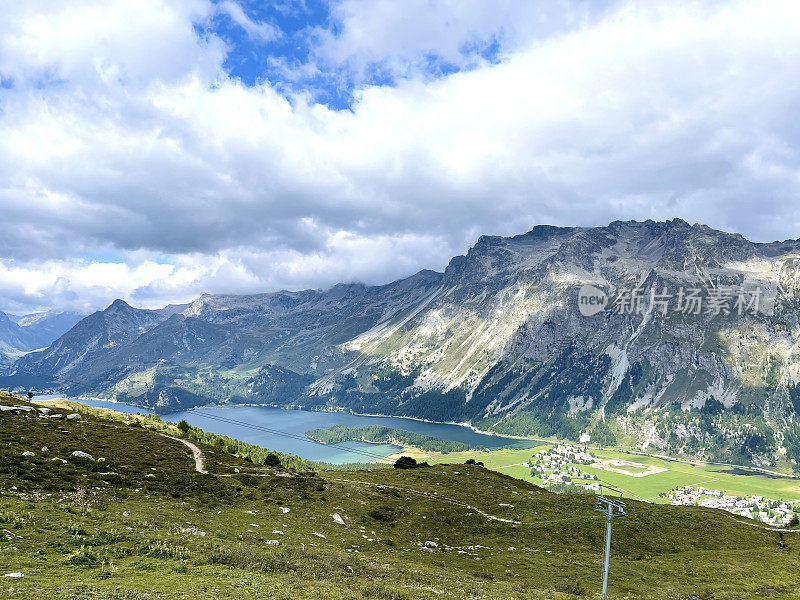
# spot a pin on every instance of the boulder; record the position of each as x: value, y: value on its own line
x: 74, y: 417
x: 45, y: 449
x: 79, y: 454
x: 28, y: 453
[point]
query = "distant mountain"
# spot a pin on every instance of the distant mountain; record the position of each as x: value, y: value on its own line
x: 20, y: 334
x: 686, y: 342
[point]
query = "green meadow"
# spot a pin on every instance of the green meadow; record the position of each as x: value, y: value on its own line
x: 737, y: 481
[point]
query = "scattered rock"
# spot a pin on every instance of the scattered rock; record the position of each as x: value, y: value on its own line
x: 61, y: 460
x: 150, y: 475
x: 101, y: 460
x: 15, y: 575
x: 15, y: 410
x: 80, y: 454
x: 74, y: 417
x: 56, y: 416
x: 278, y: 532
x: 271, y: 542
x: 285, y: 510
x: 337, y: 518
x: 319, y: 535
x: 193, y: 531
x: 28, y: 453
x: 125, y: 513
x: 235, y: 470
x: 44, y: 410
x: 45, y: 449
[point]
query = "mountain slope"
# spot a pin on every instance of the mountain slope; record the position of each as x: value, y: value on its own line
x: 44, y: 328
x: 30, y: 332
x: 499, y: 340
x: 143, y: 523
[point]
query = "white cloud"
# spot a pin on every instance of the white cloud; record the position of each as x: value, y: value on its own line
x: 144, y: 147
x: 84, y: 285
x: 105, y: 42
x: 261, y: 31
x: 402, y: 38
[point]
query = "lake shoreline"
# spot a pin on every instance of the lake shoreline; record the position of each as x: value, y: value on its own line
x: 466, y: 424
x: 280, y: 428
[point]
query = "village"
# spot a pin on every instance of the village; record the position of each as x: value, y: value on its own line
x: 555, y: 467
x: 766, y: 510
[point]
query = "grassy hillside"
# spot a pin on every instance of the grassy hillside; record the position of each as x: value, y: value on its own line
x: 145, y: 524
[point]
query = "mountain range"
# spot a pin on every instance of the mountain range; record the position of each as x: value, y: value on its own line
x: 672, y: 337
x: 21, y: 334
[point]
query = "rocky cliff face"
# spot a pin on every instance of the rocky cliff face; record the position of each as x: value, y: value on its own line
x: 686, y: 342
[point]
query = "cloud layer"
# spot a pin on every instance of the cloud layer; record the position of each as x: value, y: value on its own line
x: 133, y: 164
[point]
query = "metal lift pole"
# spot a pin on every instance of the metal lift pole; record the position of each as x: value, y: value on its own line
x: 607, y: 505
x: 607, y: 558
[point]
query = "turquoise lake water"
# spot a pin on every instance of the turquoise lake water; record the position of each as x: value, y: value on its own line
x: 288, y: 428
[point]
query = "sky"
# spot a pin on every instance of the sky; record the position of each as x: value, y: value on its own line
x: 157, y: 150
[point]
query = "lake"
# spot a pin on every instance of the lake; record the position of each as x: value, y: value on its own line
x: 284, y: 430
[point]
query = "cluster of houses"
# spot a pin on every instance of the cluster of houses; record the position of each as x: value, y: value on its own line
x: 556, y: 467
x: 772, y: 512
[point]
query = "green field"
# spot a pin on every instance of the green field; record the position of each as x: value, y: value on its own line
x: 649, y: 487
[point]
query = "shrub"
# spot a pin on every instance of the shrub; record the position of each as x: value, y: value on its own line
x: 272, y: 460
x: 405, y: 462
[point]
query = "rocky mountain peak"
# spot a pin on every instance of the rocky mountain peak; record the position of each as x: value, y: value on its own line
x: 498, y: 339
